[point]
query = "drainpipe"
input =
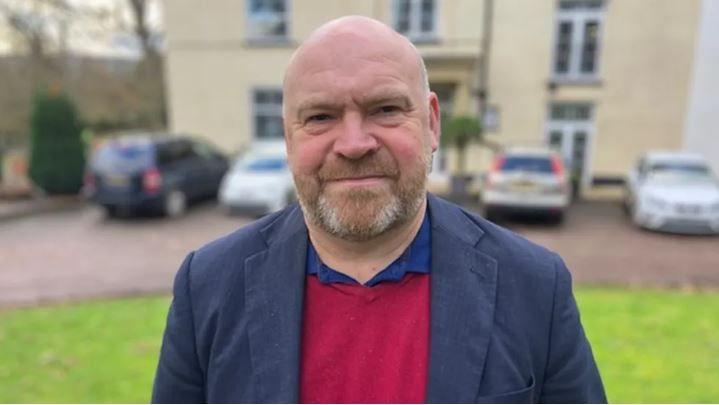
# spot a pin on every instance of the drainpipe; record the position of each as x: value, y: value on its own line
x: 486, y: 43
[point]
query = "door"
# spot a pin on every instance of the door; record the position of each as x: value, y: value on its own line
x: 569, y: 131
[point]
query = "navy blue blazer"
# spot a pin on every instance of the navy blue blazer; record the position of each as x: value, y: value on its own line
x: 504, y: 323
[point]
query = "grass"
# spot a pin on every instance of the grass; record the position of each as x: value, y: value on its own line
x: 654, y: 346
x: 91, y: 352
x: 651, y: 346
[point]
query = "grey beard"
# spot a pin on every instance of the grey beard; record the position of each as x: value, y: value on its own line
x: 328, y: 218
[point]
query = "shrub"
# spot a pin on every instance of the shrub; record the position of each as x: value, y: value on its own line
x: 57, y: 153
x: 459, y: 132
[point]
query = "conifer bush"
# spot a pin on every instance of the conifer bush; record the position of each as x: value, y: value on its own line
x: 57, y: 153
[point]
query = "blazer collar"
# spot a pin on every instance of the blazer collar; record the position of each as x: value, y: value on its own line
x: 463, y: 290
x: 274, y: 292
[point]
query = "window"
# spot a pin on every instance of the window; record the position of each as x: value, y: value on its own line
x: 267, y: 19
x: 570, y: 111
x: 576, y: 51
x: 416, y: 19
x: 267, y: 110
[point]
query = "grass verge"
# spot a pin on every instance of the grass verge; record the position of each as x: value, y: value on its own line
x: 651, y: 346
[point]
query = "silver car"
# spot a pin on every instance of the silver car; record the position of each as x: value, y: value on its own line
x: 526, y: 181
x: 673, y: 192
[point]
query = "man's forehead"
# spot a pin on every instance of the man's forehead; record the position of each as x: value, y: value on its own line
x: 345, y: 53
x: 372, y: 94
x: 350, y: 38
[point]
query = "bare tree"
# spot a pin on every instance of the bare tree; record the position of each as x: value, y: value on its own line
x: 141, y: 27
x: 39, y: 24
x: 150, y: 78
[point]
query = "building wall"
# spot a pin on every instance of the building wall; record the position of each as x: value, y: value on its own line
x: 645, y: 68
x: 212, y: 68
x: 702, y: 123
x: 644, y: 72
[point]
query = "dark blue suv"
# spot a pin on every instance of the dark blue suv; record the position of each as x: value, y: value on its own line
x: 161, y: 173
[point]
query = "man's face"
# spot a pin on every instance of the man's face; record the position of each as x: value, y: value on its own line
x: 360, y: 131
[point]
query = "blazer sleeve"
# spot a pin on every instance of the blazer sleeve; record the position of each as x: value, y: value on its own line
x: 571, y: 375
x: 179, y: 378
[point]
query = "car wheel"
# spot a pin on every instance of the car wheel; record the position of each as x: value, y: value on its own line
x: 175, y: 204
x: 110, y: 211
x: 634, y: 216
x: 627, y: 203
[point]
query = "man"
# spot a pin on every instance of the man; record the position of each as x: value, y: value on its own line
x: 370, y: 290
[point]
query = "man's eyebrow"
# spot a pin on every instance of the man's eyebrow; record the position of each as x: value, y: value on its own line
x: 371, y: 100
x: 385, y: 97
x: 316, y: 104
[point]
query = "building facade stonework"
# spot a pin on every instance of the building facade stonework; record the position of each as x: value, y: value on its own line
x: 600, y: 80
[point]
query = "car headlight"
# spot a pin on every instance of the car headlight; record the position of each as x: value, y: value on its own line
x: 656, y: 203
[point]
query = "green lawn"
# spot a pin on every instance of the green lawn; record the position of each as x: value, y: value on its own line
x: 92, y: 352
x: 652, y: 346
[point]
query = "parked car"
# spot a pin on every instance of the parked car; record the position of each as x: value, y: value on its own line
x: 523, y: 180
x: 259, y: 182
x: 673, y: 192
x: 162, y: 173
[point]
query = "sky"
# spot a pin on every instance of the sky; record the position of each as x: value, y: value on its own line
x: 112, y: 38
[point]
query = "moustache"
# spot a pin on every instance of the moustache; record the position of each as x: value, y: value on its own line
x: 371, y: 166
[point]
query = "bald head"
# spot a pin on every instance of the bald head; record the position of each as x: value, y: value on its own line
x: 344, y: 37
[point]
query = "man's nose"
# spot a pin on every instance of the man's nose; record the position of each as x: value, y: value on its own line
x: 354, y: 140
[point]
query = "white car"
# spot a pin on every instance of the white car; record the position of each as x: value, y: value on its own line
x: 259, y: 182
x: 524, y: 180
x: 673, y: 192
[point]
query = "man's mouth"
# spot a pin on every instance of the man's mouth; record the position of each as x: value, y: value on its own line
x: 358, y: 180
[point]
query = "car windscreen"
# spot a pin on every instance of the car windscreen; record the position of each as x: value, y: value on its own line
x: 123, y: 158
x: 263, y: 164
x: 537, y: 164
x: 680, y: 173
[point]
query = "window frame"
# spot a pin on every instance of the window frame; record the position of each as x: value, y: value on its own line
x: 270, y: 39
x: 254, y: 112
x: 414, y: 32
x: 577, y: 18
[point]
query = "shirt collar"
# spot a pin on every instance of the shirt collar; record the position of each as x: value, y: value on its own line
x: 415, y: 259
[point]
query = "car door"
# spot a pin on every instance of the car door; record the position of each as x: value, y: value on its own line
x: 183, y: 168
x: 213, y: 166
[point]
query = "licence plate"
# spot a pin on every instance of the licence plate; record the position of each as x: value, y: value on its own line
x: 114, y: 180
x: 524, y: 186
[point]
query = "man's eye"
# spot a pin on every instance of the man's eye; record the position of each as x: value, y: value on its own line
x: 388, y: 109
x: 319, y: 118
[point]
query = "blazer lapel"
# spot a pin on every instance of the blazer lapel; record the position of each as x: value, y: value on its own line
x: 463, y: 289
x: 274, y: 289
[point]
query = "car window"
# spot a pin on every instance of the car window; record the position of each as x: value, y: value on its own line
x: 122, y: 157
x: 174, y: 151
x: 680, y: 173
x: 204, y: 150
x: 684, y: 168
x: 527, y: 163
x: 263, y: 164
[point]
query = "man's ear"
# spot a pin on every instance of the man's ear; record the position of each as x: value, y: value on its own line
x: 287, y: 136
x: 435, y: 119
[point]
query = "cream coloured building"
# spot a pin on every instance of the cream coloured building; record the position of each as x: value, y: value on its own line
x: 603, y: 80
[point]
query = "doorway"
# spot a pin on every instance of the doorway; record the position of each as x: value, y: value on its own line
x: 569, y: 131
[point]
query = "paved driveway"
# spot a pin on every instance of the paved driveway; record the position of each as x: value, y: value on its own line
x: 79, y: 254
x: 601, y: 246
